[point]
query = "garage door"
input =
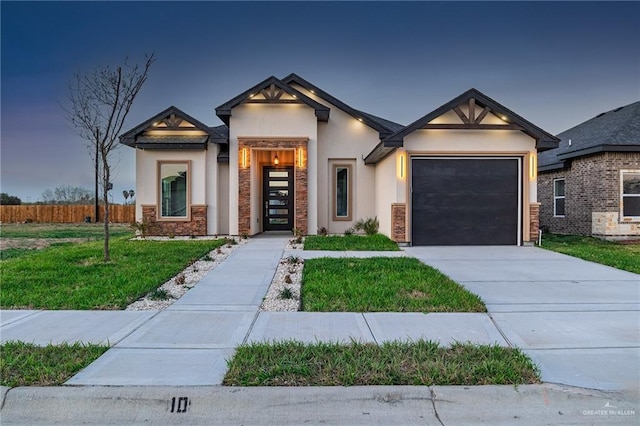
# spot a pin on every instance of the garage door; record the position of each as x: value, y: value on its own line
x: 465, y: 201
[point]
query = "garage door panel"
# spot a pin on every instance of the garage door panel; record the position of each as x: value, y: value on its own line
x: 454, y: 201
x: 488, y: 217
x: 464, y: 185
x: 447, y: 168
x: 459, y: 201
x: 466, y: 235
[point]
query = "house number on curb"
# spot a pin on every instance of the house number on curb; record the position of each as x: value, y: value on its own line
x: 180, y: 405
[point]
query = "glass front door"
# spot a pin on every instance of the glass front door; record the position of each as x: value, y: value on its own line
x: 278, y: 198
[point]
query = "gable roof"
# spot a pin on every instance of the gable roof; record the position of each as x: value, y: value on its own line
x: 544, y: 140
x: 617, y: 130
x: 135, y: 137
x: 224, y: 110
x: 382, y: 126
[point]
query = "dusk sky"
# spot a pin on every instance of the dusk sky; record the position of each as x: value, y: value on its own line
x: 555, y: 64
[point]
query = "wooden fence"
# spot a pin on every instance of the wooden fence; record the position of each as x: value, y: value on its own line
x: 64, y: 213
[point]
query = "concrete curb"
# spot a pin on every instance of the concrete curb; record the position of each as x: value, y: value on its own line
x: 358, y: 405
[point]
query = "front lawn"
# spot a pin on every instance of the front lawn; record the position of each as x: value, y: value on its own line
x: 382, y: 284
x: 617, y: 255
x: 75, y: 276
x: 376, y: 242
x: 25, y: 364
x: 419, y: 363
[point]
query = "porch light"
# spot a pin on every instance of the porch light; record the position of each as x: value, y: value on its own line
x: 300, y: 157
x: 244, y: 157
x: 533, y: 166
x: 401, y: 165
x: 276, y: 161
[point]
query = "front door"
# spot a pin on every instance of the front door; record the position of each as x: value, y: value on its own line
x: 277, y: 198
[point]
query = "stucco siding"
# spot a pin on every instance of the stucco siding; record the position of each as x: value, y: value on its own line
x: 387, y: 192
x: 223, y: 199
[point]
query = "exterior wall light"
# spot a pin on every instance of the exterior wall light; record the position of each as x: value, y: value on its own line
x: 276, y: 161
x: 300, y: 157
x: 533, y: 166
x: 401, y: 165
x: 244, y: 157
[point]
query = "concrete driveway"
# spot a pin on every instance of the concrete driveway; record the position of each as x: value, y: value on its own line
x: 580, y: 321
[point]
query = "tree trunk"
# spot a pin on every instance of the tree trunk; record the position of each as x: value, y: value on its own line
x: 105, y: 193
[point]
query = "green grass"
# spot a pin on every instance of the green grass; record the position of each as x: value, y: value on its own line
x: 417, y: 363
x: 75, y: 276
x: 25, y: 364
x: 382, y: 285
x: 621, y: 256
x: 62, y: 230
x: 12, y: 253
x: 376, y: 242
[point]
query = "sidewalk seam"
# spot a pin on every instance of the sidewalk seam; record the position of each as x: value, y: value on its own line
x: 504, y: 336
x: 370, y: 330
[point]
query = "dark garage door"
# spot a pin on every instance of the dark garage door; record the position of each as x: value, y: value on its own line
x: 470, y: 201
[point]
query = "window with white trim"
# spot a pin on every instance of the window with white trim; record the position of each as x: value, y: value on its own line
x: 558, y: 197
x: 174, y: 189
x: 342, y: 184
x: 630, y: 194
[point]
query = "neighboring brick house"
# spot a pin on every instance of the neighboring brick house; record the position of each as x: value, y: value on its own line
x: 292, y: 157
x: 590, y: 184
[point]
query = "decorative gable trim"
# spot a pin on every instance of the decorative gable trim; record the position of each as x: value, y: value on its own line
x: 271, y: 91
x: 170, y: 129
x: 469, y: 121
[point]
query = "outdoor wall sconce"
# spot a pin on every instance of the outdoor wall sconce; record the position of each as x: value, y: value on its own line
x: 276, y: 161
x: 533, y: 166
x: 244, y: 157
x: 300, y: 157
x: 401, y: 165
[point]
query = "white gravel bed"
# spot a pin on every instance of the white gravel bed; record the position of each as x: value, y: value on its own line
x: 276, y: 299
x: 177, y: 286
x: 292, y: 244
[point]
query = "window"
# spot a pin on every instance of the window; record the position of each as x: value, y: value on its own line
x: 558, y: 197
x: 174, y: 190
x: 342, y: 192
x: 630, y: 194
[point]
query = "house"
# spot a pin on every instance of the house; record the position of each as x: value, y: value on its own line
x: 590, y: 184
x: 290, y: 156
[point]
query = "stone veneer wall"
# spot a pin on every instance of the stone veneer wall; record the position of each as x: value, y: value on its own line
x: 592, y: 196
x: 197, y: 226
x: 534, y: 221
x: 399, y: 222
x: 244, y: 181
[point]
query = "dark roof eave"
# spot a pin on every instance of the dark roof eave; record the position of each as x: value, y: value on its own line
x: 597, y: 149
x: 172, y: 146
x: 551, y: 167
x: 362, y: 116
x: 546, y: 144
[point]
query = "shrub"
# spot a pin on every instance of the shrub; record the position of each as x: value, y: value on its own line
x: 323, y: 231
x: 370, y: 226
x: 286, y: 293
x: 349, y: 231
x: 180, y: 279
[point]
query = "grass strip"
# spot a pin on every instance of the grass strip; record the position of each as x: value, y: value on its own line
x: 617, y: 255
x: 382, y: 284
x: 419, y: 363
x: 376, y: 242
x: 25, y: 364
x: 75, y: 276
x: 62, y: 230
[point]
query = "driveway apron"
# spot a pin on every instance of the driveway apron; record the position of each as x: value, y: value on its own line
x: 580, y: 321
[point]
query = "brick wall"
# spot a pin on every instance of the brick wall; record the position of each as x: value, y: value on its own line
x: 399, y: 222
x: 592, y: 185
x: 244, y: 181
x: 534, y: 223
x: 197, y: 226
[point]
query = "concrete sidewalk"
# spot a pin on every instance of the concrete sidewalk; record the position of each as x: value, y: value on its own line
x: 580, y: 321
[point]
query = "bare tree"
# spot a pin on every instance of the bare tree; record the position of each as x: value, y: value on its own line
x: 67, y: 194
x: 99, y: 102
